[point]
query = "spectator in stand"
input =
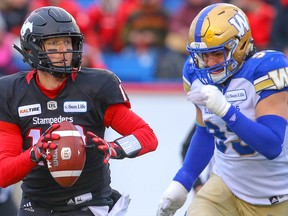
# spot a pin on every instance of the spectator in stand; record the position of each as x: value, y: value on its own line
x: 102, y: 22
x: 279, y: 33
x: 171, y: 61
x: 261, y: 16
x: 125, y: 9
x: 7, y: 66
x: 143, y: 35
x: 92, y: 57
x: 106, y: 20
x: 14, y: 13
x: 180, y: 22
x: 149, y: 23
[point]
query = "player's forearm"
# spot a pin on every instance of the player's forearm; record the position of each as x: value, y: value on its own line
x: 198, y: 156
x: 266, y: 135
x: 14, y: 169
x: 147, y: 138
x: 126, y: 122
x: 14, y: 165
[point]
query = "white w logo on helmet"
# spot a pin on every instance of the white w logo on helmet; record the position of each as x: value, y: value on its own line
x: 240, y: 23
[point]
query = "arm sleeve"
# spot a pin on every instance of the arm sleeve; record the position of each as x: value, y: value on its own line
x: 14, y: 165
x: 187, y: 141
x: 199, y: 154
x: 266, y: 135
x: 124, y: 121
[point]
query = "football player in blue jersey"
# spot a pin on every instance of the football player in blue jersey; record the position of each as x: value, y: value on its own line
x: 58, y: 89
x: 241, y: 104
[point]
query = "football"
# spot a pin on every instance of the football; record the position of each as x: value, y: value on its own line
x: 69, y: 157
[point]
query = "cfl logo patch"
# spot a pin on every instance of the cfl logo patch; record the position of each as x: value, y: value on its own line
x: 52, y: 105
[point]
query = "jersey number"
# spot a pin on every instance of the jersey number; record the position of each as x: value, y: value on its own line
x: 35, y: 134
x: 237, y: 146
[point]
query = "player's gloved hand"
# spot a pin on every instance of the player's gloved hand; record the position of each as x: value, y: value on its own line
x: 173, y: 198
x: 196, y: 97
x: 108, y: 149
x: 211, y: 97
x: 40, y: 151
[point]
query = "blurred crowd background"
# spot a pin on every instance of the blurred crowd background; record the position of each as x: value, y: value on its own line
x: 139, y: 40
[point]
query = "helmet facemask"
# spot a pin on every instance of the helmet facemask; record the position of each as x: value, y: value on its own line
x: 45, y: 64
x: 205, y: 73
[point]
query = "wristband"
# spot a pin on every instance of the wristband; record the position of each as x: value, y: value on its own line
x: 130, y: 145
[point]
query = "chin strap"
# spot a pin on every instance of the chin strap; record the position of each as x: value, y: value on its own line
x: 59, y: 74
x: 24, y: 55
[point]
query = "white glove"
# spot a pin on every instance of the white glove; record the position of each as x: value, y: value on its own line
x: 196, y: 97
x: 216, y: 101
x: 211, y: 97
x: 174, y: 198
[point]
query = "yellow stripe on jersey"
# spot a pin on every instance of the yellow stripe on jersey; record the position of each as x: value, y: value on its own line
x: 186, y: 87
x: 265, y: 84
x: 186, y: 84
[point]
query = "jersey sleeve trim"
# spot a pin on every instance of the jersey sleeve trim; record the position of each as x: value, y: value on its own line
x: 263, y: 83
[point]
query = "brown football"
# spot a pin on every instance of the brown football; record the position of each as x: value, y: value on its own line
x: 69, y: 157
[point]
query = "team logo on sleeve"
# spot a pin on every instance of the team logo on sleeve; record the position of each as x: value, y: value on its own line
x: 276, y: 79
x: 279, y: 77
x: 29, y: 110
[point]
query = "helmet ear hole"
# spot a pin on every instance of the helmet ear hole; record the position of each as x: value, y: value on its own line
x: 243, y: 45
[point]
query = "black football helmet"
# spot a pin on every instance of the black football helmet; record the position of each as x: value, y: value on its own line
x: 45, y: 23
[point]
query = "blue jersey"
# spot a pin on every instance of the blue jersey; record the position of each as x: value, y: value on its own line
x: 247, y: 173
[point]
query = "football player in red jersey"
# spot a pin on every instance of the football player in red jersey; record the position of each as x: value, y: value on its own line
x: 55, y: 90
